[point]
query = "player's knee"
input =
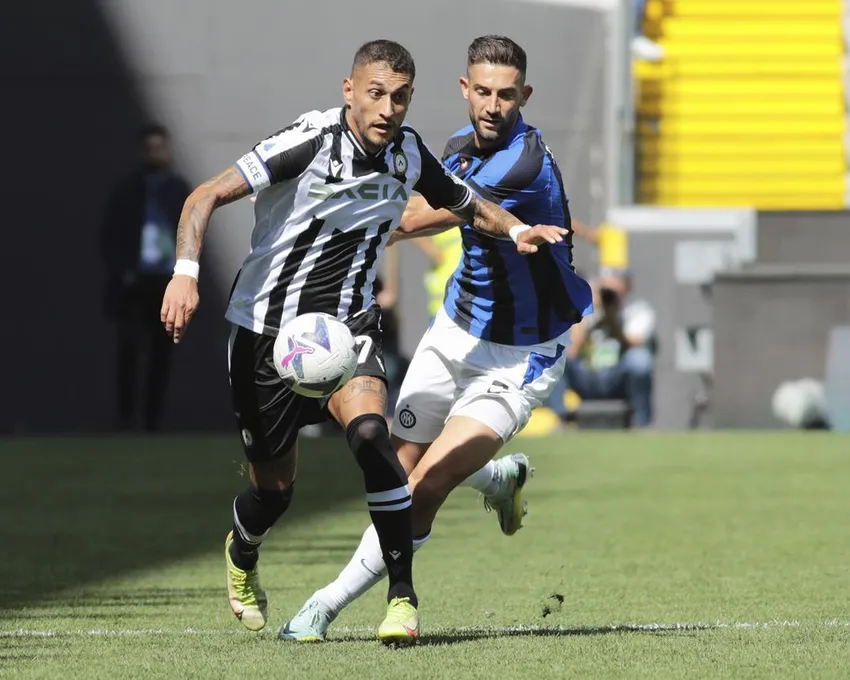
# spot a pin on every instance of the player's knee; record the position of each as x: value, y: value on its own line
x: 369, y: 440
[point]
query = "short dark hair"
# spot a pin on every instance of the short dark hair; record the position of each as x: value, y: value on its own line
x: 386, y: 52
x: 152, y: 130
x: 498, y: 50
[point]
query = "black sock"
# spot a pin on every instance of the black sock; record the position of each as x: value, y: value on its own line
x: 388, y: 496
x: 254, y: 513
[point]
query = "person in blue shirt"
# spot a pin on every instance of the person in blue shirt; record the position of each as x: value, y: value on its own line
x: 496, y: 349
x: 138, y: 239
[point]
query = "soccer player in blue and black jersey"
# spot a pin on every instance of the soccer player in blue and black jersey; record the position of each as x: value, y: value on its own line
x: 495, y: 350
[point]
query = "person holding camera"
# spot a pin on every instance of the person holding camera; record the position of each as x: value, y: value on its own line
x: 611, y: 355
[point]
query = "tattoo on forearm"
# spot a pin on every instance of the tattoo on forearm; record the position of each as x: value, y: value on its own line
x: 487, y: 217
x: 222, y: 189
x: 193, y: 225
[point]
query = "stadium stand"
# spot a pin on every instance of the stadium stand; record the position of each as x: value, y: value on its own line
x: 747, y: 107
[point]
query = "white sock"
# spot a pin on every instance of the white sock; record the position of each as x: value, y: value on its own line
x: 365, y: 569
x: 486, y: 480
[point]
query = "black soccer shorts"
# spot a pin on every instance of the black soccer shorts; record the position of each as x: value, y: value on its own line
x: 269, y: 414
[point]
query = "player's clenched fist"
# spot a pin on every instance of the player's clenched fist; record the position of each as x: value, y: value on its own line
x: 179, y: 305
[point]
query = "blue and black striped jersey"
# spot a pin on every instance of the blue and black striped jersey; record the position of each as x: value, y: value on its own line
x: 495, y: 293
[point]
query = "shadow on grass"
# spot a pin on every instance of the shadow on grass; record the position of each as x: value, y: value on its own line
x: 79, y: 511
x: 459, y: 635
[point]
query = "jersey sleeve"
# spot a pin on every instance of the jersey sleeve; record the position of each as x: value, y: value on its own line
x: 438, y: 186
x: 282, y: 156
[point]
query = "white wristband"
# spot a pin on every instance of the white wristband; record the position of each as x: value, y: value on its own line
x: 187, y: 268
x: 516, y: 230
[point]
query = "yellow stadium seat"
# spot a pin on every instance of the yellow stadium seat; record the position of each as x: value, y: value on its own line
x: 746, y: 108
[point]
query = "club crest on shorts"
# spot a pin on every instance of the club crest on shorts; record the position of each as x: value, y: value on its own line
x: 400, y: 166
x: 406, y: 418
x: 247, y: 437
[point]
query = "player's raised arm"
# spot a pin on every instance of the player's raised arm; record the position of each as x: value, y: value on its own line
x: 446, y: 193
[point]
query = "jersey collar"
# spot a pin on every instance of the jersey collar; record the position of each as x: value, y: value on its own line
x: 359, y: 152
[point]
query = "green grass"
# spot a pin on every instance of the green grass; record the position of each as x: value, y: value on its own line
x: 112, y: 563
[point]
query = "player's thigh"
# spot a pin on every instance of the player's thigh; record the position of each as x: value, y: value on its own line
x: 268, y: 414
x: 366, y: 392
x: 507, y: 384
x: 464, y: 446
x: 430, y: 385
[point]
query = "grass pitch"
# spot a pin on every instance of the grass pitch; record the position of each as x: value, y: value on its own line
x: 644, y: 555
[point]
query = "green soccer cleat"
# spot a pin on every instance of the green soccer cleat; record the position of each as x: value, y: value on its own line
x: 401, y: 627
x: 247, y: 598
x: 513, y: 471
x: 308, y: 625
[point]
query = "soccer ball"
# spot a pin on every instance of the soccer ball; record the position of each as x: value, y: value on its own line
x: 315, y: 354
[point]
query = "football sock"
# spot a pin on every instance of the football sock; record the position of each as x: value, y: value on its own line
x: 388, y: 498
x: 365, y: 569
x: 486, y: 480
x: 254, y: 512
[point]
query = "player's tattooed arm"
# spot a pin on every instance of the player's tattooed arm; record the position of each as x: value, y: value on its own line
x: 488, y: 217
x: 493, y: 220
x: 224, y: 188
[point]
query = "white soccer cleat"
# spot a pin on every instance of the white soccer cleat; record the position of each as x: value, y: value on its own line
x: 513, y: 472
x: 308, y: 625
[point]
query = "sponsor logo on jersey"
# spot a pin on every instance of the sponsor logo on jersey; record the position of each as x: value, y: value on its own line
x: 368, y: 191
x: 497, y: 387
x: 335, y: 168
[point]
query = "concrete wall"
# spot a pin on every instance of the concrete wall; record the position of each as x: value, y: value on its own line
x: 804, y: 236
x: 674, y: 254
x: 221, y: 75
x: 772, y: 324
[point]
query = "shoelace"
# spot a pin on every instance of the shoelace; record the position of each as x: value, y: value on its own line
x: 398, y: 613
x: 246, y: 585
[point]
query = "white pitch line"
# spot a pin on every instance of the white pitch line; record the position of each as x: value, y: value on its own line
x: 494, y: 631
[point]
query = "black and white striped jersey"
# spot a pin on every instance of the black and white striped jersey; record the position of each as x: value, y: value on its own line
x: 325, y: 209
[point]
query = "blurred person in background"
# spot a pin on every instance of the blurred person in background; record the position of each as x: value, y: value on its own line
x: 643, y: 47
x: 611, y: 355
x: 138, y: 237
x: 443, y: 251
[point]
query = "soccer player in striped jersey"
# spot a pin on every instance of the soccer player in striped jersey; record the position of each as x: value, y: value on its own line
x: 495, y: 350
x: 330, y: 189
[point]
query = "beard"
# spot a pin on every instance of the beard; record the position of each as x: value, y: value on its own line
x: 499, y: 134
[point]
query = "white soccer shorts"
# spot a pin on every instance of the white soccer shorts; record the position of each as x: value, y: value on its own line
x: 453, y: 373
